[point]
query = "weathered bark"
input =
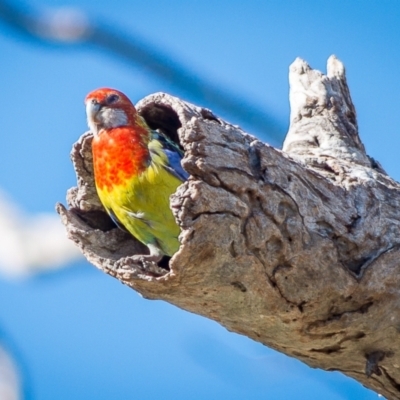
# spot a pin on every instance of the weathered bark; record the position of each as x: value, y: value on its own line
x: 297, y: 249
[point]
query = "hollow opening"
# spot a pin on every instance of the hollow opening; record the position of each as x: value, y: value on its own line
x: 162, y: 117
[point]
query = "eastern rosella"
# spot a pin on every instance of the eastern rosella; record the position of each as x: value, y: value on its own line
x: 136, y: 169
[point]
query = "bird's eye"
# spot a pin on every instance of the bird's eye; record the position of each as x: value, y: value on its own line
x: 112, y: 98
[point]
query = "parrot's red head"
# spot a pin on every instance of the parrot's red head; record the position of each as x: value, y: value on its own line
x: 108, y: 108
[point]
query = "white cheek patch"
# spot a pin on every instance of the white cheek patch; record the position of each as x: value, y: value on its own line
x: 112, y: 117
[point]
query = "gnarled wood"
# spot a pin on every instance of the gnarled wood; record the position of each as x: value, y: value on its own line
x: 297, y: 249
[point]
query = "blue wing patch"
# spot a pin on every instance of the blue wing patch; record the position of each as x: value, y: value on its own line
x: 174, y: 155
x: 175, y: 167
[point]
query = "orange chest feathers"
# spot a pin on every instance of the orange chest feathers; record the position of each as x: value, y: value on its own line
x: 119, y: 154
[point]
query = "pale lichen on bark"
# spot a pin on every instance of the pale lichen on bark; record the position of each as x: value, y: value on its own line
x: 298, y: 249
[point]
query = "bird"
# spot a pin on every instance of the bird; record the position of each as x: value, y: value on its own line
x: 136, y: 169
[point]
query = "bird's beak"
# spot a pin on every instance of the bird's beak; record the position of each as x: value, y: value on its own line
x: 92, y: 109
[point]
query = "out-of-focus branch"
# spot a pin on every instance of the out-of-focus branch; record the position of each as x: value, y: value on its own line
x: 10, y: 381
x: 30, y: 244
x: 73, y: 28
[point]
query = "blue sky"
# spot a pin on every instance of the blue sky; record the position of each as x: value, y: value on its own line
x: 80, y: 334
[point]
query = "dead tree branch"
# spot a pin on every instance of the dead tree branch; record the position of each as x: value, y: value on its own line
x: 297, y: 249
